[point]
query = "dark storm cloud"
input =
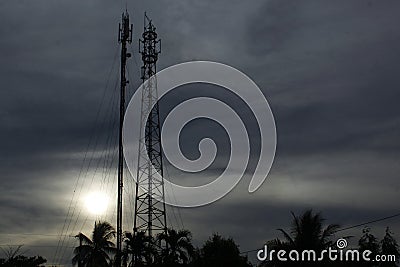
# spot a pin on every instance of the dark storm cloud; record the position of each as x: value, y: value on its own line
x: 333, y: 73
x: 328, y: 69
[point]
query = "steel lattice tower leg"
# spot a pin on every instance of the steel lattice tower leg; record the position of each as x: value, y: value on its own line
x: 150, y: 216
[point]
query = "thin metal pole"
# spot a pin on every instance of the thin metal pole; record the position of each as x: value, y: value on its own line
x: 125, y: 36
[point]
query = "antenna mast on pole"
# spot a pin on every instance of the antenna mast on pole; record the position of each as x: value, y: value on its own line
x: 124, y: 37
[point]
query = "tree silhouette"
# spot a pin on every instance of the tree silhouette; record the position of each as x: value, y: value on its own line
x: 139, y: 250
x: 368, y: 242
x: 23, y: 261
x: 307, y: 232
x: 174, y: 248
x: 14, y: 258
x: 96, y: 252
x: 219, y: 251
x: 178, y: 250
x: 389, y: 246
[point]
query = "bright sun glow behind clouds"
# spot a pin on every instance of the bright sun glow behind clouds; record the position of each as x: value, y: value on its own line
x: 96, y: 203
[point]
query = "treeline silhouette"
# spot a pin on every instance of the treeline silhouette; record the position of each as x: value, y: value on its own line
x: 175, y: 249
x: 307, y: 232
x: 14, y: 258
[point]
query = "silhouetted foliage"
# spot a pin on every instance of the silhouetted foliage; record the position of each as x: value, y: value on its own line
x: 15, y: 259
x: 219, y: 251
x: 389, y: 246
x: 175, y: 248
x: 368, y: 242
x: 179, y: 250
x: 23, y: 261
x: 139, y: 250
x: 306, y: 233
x: 142, y: 250
x: 96, y: 252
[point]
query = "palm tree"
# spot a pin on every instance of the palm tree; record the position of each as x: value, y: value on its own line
x: 307, y: 232
x: 179, y: 249
x: 96, y: 252
x: 139, y: 249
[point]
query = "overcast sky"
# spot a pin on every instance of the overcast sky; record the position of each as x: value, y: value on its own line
x: 330, y: 71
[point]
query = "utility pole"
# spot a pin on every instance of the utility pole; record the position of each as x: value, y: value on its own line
x: 80, y: 263
x: 124, y: 37
x: 150, y: 212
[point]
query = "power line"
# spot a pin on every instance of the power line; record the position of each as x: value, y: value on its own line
x: 374, y: 221
x: 107, y: 119
x: 82, y: 173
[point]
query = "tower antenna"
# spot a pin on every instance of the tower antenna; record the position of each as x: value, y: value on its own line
x: 124, y: 37
x: 150, y: 212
